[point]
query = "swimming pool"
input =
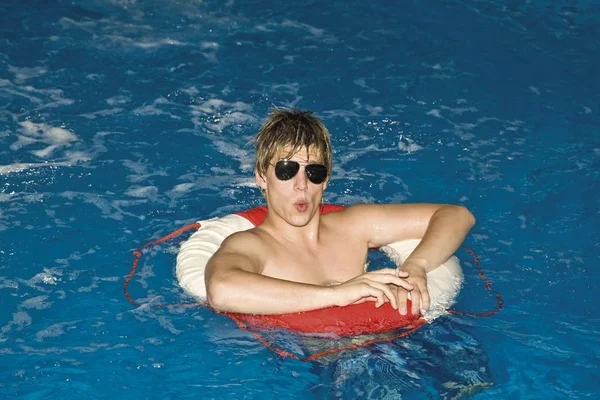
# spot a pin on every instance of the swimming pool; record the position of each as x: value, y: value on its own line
x: 125, y: 120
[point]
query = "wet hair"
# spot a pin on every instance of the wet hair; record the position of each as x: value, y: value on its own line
x: 294, y: 129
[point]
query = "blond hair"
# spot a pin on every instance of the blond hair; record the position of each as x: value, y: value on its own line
x: 293, y: 129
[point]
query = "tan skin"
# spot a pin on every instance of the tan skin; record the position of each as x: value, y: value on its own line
x: 288, y: 263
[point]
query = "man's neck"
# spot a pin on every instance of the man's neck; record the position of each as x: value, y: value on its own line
x: 301, y: 236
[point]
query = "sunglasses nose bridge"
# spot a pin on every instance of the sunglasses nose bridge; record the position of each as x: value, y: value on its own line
x: 301, y: 178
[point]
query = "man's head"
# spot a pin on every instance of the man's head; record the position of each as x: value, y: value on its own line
x: 293, y: 164
x: 292, y: 130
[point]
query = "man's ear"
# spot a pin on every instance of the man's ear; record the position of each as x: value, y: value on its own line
x: 260, y: 180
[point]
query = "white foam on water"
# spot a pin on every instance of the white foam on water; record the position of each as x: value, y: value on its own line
x: 371, y: 110
x: 54, y: 330
x: 217, y: 115
x: 7, y: 283
x: 49, y: 276
x: 459, y: 110
x: 287, y: 94
x: 37, y: 303
x: 118, y: 100
x: 109, y: 209
x: 209, y: 45
x: 54, y: 137
x: 434, y: 113
x: 102, y: 113
x: 41, y: 98
x: 83, y: 25
x: 362, y: 83
x: 149, y: 43
x: 155, y: 109
x: 21, y: 74
x: 72, y: 158
x: 20, y: 320
x: 244, y: 156
x: 314, y: 33
x: 87, y: 289
x: 222, y: 171
x: 8, y: 87
x: 408, y: 145
x: 76, y: 256
x: 168, y: 325
x: 347, y: 115
x: 18, y: 167
x: 182, y: 188
x: 145, y: 192
x: 348, y: 198
x: 141, y: 171
x: 236, y: 119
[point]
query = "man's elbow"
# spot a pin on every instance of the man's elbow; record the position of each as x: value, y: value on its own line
x: 217, y: 295
x: 467, y: 216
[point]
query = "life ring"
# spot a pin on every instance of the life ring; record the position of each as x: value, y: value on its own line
x: 443, y: 284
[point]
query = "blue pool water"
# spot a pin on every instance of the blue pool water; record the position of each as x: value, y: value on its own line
x: 123, y: 120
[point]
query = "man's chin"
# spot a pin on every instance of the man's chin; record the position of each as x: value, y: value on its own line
x: 301, y: 218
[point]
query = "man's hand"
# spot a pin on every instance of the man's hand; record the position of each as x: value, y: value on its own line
x: 419, y: 294
x: 373, y: 286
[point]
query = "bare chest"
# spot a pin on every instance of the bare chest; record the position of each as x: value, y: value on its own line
x: 334, y: 261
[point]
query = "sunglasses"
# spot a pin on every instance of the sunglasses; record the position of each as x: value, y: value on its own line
x: 286, y: 170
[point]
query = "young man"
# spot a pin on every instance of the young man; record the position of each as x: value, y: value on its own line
x: 300, y: 260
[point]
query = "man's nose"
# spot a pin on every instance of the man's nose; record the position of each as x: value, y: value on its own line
x: 300, y: 180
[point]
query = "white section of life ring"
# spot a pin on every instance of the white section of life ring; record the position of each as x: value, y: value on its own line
x: 443, y: 283
x: 195, y: 252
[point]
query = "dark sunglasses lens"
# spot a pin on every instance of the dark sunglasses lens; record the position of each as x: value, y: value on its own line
x: 317, y: 173
x: 286, y: 170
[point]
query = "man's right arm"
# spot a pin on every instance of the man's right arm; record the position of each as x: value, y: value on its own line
x: 234, y: 284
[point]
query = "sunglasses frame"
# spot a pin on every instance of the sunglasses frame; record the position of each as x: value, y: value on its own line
x: 287, y: 169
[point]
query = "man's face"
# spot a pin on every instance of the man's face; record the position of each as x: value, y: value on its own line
x: 297, y: 199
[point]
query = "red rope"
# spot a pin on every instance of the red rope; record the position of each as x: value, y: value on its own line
x: 488, y: 285
x: 409, y: 329
x: 138, y: 254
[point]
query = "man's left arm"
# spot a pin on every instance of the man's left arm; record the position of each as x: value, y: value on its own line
x: 442, y: 229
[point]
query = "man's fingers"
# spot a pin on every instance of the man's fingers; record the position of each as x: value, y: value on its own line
x: 415, y: 298
x: 425, y: 301
x: 390, y: 271
x: 381, y: 296
x: 401, y: 295
x: 387, y: 279
x: 388, y: 293
x: 363, y: 299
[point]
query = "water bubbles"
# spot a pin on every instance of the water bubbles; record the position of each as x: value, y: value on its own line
x: 408, y: 145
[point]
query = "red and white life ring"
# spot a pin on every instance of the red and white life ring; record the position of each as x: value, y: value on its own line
x: 443, y: 283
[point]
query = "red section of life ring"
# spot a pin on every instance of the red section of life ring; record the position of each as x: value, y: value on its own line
x: 356, y: 319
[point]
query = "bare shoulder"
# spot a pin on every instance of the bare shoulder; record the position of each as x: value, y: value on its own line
x: 349, y: 218
x: 359, y: 214
x: 242, y: 250
x: 366, y: 212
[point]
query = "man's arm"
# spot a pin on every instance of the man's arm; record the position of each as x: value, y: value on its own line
x: 441, y: 228
x: 234, y: 284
